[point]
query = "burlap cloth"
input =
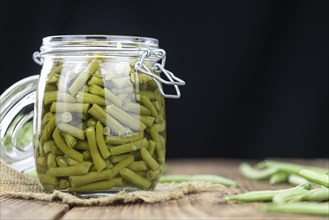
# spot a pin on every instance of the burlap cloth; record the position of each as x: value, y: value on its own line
x: 16, y: 185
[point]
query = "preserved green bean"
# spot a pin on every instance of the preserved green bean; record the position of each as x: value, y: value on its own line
x: 102, y: 127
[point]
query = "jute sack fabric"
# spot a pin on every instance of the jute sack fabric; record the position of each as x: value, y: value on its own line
x: 16, y: 185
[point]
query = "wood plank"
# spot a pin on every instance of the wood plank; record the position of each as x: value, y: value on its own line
x: 197, y: 206
x: 28, y: 209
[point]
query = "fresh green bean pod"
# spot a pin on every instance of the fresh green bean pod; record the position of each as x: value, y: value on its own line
x: 215, y: 179
x: 318, y: 195
x: 292, y: 168
x: 315, y: 177
x: 279, y: 177
x: 264, y: 195
x: 309, y: 208
x: 296, y: 180
x: 252, y: 173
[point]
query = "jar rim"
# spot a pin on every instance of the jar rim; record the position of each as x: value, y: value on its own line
x: 108, y: 42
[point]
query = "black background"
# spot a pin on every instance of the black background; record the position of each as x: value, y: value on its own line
x: 256, y: 71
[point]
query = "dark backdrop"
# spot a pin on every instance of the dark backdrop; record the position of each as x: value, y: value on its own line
x: 256, y: 71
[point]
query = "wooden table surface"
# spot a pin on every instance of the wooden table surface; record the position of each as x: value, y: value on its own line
x: 195, y: 206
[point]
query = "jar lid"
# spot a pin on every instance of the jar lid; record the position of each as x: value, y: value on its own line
x: 16, y: 124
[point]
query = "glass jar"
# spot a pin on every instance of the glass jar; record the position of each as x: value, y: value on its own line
x: 99, y: 116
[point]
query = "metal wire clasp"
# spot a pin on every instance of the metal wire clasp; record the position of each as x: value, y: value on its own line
x: 37, y: 58
x: 159, y: 68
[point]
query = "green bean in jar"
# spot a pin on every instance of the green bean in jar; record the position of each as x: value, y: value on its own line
x: 103, y: 126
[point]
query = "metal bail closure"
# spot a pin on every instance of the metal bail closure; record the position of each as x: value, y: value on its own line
x: 160, y: 68
x: 37, y: 58
x: 16, y: 124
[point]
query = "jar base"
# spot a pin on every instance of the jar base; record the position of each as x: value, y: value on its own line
x: 98, y: 194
